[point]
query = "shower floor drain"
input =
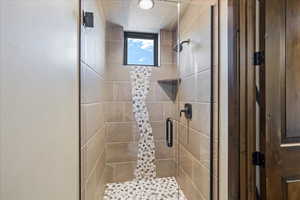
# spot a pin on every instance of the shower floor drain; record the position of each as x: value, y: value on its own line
x: 154, y: 189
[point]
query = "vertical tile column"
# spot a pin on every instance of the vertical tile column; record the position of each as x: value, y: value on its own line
x: 146, y: 167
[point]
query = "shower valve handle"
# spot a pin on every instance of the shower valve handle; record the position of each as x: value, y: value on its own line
x: 187, y: 111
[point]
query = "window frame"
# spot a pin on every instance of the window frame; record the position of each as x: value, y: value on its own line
x: 141, y: 35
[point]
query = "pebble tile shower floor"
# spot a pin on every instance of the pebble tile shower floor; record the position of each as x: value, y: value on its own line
x: 153, y: 189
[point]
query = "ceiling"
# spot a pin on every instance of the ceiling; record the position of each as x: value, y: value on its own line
x: 127, y: 14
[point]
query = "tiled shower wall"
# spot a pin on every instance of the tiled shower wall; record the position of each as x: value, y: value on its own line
x: 93, y: 95
x: 121, y: 131
x: 195, y: 73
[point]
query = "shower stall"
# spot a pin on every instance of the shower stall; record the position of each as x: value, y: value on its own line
x: 149, y: 100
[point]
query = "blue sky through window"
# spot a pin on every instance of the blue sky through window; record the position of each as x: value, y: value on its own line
x: 140, y: 51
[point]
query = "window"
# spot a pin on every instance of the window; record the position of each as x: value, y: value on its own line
x: 140, y: 49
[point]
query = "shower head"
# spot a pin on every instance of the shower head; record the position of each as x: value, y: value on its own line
x: 179, y: 47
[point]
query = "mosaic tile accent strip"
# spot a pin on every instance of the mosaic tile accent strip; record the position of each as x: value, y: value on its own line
x: 151, y: 189
x: 140, y: 82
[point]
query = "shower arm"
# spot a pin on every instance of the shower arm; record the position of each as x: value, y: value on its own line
x: 185, y: 41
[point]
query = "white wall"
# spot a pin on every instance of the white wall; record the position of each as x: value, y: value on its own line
x: 39, y: 99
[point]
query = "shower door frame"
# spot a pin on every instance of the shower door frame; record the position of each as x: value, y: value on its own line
x: 212, y: 102
x: 79, y: 95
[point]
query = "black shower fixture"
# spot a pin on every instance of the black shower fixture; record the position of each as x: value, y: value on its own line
x: 188, y: 111
x: 179, y: 47
x: 88, y: 19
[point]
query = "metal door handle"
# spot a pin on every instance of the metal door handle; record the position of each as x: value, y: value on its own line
x: 169, y: 132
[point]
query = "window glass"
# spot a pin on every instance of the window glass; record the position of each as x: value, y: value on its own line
x: 140, y: 48
x: 140, y: 51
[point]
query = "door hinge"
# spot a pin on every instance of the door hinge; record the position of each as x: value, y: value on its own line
x: 259, y: 58
x: 258, y: 159
x: 88, y: 19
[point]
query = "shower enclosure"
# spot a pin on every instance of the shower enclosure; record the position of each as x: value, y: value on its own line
x: 149, y: 100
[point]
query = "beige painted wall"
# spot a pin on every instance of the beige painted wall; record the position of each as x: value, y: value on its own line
x: 94, y: 93
x: 39, y: 100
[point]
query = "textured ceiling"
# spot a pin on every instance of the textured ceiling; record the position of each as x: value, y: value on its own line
x: 127, y: 14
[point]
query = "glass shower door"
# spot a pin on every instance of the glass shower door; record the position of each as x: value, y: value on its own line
x: 140, y: 68
x: 197, y: 69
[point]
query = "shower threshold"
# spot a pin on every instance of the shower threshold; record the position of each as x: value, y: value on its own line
x: 153, y: 189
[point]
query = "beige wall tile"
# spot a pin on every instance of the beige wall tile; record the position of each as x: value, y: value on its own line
x: 166, y: 52
x: 196, y: 26
x: 158, y: 130
x: 92, y: 86
x: 164, y: 71
x: 162, y: 151
x: 128, y: 113
x: 117, y: 72
x: 107, y: 88
x: 115, y: 54
x: 201, y: 178
x: 94, y: 150
x: 175, y: 130
x: 183, y: 134
x: 201, y: 56
x: 113, y: 112
x: 94, y: 119
x: 122, y: 91
x: 186, y: 63
x: 185, y: 160
x: 105, y: 178
x: 166, y: 37
x: 198, y: 145
x: 165, y: 168
x: 188, y: 89
x: 202, y: 87
x: 155, y: 111
x: 90, y: 187
x: 201, y: 118
x: 121, y: 132
x: 124, y: 171
x: 116, y: 33
x: 171, y: 110
x: 121, y: 152
x: 188, y: 187
x: 108, y: 173
x: 100, y: 167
